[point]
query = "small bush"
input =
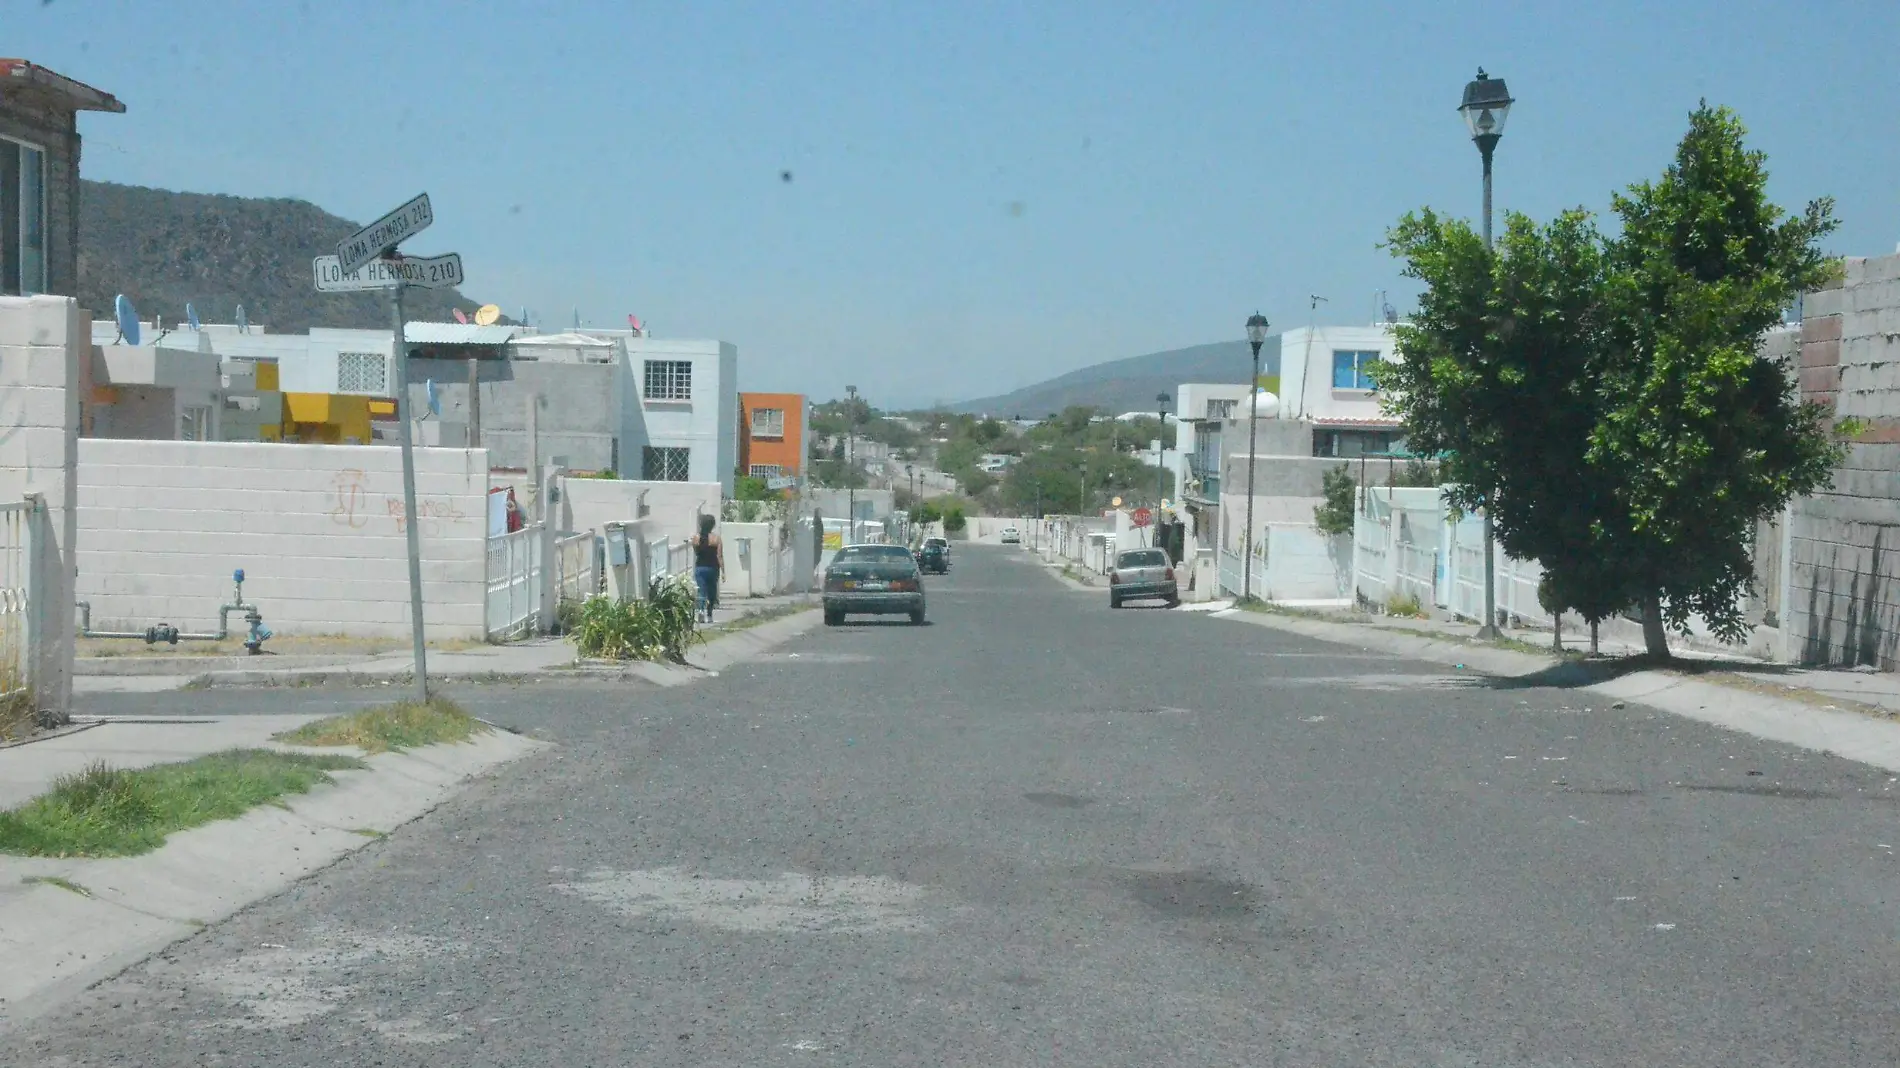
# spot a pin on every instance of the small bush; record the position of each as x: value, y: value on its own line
x: 659, y: 627
x: 1335, y: 515
x: 1407, y: 605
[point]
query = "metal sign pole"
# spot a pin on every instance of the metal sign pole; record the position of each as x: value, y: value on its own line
x: 413, y: 533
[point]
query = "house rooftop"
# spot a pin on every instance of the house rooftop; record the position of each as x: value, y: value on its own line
x: 31, y: 79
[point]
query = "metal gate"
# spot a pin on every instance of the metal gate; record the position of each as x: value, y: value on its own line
x: 514, y: 583
x: 16, y: 569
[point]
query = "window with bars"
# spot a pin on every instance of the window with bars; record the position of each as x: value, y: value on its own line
x: 362, y: 372
x: 768, y: 422
x: 661, y: 463
x: 765, y: 470
x: 669, y: 380
x: 22, y: 218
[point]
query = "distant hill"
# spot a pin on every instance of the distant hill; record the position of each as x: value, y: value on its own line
x: 1128, y: 384
x: 164, y: 249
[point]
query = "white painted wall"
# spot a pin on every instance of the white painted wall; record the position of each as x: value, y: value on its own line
x: 318, y: 530
x: 672, y: 508
x: 707, y: 423
x: 1306, y: 372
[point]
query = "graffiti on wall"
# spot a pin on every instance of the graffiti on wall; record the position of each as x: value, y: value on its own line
x: 351, y: 499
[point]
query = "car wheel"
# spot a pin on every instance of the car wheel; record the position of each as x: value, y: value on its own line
x: 1114, y: 601
x: 917, y: 618
x: 833, y: 617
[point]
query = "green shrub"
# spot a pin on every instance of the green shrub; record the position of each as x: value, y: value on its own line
x: 658, y: 627
x: 1407, y: 605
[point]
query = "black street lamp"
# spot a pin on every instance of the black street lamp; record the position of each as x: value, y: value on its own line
x: 851, y: 462
x: 1161, y: 454
x: 1486, y: 105
x: 1256, y: 336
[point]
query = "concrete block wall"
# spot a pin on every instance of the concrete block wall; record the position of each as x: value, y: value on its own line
x: 45, y: 357
x: 318, y: 530
x: 1841, y: 590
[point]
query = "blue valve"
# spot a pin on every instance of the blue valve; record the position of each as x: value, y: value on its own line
x: 238, y: 576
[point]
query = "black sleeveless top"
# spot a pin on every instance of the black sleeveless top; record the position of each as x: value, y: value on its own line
x: 705, y: 554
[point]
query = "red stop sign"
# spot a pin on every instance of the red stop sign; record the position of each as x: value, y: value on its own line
x: 1142, y: 517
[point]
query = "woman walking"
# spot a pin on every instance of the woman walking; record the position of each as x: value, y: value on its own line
x: 709, y: 562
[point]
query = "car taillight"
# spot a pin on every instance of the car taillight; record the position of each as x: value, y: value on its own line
x: 1170, y: 575
x: 1114, y: 577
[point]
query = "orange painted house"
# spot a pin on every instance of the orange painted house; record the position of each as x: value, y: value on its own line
x: 772, y: 434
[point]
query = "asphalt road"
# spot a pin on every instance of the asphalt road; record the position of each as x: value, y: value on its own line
x: 1038, y: 832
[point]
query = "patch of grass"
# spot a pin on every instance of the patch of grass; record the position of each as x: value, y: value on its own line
x: 391, y: 727
x: 17, y: 716
x: 115, y: 812
x: 53, y: 880
x: 369, y: 832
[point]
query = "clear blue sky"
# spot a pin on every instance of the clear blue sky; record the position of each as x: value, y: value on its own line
x: 983, y: 196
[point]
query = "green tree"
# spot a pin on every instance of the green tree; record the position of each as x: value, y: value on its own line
x: 1707, y: 435
x: 752, y: 488
x: 1334, y: 515
x: 1606, y: 398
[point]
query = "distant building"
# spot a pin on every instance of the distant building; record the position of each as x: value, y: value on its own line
x: 39, y: 177
x: 1326, y: 379
x: 772, y: 434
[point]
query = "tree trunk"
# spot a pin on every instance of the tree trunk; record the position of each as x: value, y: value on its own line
x: 1593, y: 637
x: 1655, y: 639
x: 1557, y: 632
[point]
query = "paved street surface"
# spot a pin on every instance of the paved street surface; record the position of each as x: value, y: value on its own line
x: 1038, y: 832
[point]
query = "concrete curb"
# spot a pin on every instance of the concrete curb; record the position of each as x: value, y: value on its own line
x: 1845, y: 734
x: 58, y: 942
x: 96, y: 666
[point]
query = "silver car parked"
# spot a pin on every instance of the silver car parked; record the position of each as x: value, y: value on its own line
x: 1142, y: 574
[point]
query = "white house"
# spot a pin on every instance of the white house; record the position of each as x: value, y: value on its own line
x: 689, y: 406
x: 1326, y: 379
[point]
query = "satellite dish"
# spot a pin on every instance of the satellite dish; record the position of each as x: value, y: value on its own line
x: 243, y: 321
x: 487, y: 314
x: 460, y: 317
x: 128, y: 317
x: 191, y: 315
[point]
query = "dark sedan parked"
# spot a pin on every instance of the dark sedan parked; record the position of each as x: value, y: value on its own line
x: 873, y: 580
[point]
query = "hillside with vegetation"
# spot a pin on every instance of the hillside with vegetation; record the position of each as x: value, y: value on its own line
x: 165, y: 249
x: 1125, y: 385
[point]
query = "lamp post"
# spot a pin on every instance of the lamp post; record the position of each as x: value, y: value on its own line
x: 1161, y: 468
x: 1486, y: 105
x: 1256, y: 336
x: 851, y: 463
x: 910, y: 472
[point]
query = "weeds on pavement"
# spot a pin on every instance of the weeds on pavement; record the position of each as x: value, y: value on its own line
x: 387, y: 728
x: 117, y: 812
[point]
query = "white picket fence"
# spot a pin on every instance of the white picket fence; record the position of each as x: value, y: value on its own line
x: 576, y: 567
x: 16, y: 601
x: 514, y: 583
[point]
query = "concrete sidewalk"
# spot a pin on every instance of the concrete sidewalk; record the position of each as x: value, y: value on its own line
x: 1766, y: 700
x: 515, y: 660
x: 28, y: 770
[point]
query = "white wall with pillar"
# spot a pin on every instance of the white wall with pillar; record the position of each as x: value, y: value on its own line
x: 45, y: 362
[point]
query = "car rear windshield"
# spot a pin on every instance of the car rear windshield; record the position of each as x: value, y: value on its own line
x: 869, y: 553
x: 1142, y: 558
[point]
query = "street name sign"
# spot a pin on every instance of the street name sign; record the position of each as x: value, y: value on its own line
x: 423, y: 272
x: 778, y: 482
x: 384, y: 234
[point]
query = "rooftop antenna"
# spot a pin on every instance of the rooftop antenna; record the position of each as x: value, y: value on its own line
x: 128, y: 318
x: 577, y: 317
x: 1306, y: 362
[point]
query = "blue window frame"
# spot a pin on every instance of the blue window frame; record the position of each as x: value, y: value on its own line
x: 1352, y: 368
